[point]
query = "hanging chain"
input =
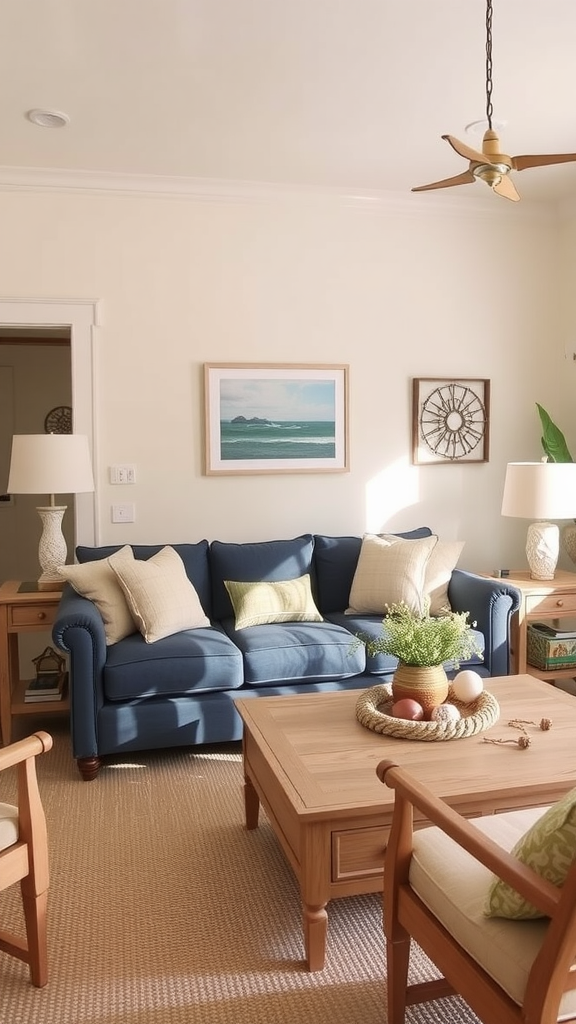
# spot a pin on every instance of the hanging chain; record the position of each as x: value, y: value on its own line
x: 489, y: 108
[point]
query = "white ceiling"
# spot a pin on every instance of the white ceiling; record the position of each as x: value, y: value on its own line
x: 350, y: 95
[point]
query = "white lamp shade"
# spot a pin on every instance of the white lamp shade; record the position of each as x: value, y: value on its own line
x: 50, y: 464
x: 540, y: 490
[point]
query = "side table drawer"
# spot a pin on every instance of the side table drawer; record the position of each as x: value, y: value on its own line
x: 552, y: 605
x: 31, y: 615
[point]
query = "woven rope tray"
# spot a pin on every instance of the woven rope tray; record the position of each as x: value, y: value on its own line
x: 373, y: 707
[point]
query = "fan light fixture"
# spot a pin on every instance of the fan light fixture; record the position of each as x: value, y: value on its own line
x: 491, y: 165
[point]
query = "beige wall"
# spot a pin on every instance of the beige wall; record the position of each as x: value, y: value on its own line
x: 395, y: 289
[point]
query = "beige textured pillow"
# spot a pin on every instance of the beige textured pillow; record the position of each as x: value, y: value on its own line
x: 256, y: 604
x: 549, y: 848
x: 441, y: 563
x: 389, y: 570
x: 159, y: 594
x: 97, y: 581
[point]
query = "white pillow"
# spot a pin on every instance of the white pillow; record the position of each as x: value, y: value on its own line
x: 160, y: 596
x: 97, y: 581
x: 438, y: 572
x: 389, y: 570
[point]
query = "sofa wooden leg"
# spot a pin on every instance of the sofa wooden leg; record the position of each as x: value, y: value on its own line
x: 89, y: 767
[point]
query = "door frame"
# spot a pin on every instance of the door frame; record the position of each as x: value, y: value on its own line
x: 81, y: 317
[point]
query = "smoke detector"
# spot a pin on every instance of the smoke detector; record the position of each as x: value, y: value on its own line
x: 48, y: 118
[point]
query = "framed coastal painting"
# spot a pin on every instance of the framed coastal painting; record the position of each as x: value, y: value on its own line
x: 450, y: 420
x: 276, y: 418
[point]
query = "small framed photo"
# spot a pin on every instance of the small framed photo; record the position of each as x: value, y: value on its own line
x: 276, y: 418
x: 450, y: 420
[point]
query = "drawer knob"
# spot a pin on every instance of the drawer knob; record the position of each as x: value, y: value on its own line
x: 41, y: 615
x: 559, y: 604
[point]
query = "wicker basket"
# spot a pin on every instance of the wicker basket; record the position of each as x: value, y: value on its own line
x: 373, y: 707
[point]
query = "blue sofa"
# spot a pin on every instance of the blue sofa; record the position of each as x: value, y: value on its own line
x: 180, y: 690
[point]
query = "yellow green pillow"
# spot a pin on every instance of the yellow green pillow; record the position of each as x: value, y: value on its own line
x: 549, y: 848
x: 256, y: 604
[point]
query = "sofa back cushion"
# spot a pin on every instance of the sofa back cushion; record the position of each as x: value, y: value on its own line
x: 194, y: 556
x: 335, y: 561
x: 270, y: 560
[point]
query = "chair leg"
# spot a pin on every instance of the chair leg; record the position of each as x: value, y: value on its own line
x: 35, y: 919
x: 397, y: 962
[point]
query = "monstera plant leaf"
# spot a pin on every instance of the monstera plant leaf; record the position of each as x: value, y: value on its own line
x: 553, y: 440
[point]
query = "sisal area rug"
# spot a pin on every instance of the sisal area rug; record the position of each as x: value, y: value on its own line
x: 165, y: 910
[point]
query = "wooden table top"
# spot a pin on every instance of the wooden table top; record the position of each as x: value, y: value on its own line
x: 326, y: 760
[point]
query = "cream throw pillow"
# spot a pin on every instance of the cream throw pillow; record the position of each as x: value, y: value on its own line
x: 441, y: 563
x: 160, y: 596
x: 257, y: 604
x: 97, y: 581
x: 389, y: 570
x: 549, y: 848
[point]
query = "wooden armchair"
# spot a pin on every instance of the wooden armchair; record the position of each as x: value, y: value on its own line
x: 24, y: 854
x: 435, y: 881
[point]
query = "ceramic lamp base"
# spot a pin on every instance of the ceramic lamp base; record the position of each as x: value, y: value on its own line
x: 52, y: 549
x: 542, y: 550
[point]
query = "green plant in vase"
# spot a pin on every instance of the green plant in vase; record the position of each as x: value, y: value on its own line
x: 423, y: 644
x: 556, y: 449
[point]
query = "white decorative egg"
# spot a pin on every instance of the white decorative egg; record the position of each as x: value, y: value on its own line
x: 445, y: 713
x: 467, y: 686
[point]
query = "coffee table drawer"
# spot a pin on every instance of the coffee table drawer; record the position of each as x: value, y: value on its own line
x: 358, y: 853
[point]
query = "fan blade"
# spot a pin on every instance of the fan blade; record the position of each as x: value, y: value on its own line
x: 466, y: 178
x: 520, y: 163
x: 507, y: 189
x: 463, y: 150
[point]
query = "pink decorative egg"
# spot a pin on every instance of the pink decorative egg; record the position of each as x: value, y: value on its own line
x: 409, y: 709
x: 445, y: 713
x: 467, y: 686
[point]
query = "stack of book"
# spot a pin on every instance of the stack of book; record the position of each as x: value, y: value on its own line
x: 47, y: 686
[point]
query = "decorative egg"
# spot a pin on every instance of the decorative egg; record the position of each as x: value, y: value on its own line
x: 409, y: 709
x: 445, y: 713
x: 467, y: 686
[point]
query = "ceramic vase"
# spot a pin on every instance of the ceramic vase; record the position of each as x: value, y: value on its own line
x: 428, y: 685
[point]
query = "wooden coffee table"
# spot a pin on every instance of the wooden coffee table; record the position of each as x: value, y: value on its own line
x: 313, y: 767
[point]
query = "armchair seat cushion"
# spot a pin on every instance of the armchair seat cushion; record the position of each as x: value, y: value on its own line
x: 191, y: 661
x: 288, y: 652
x: 8, y: 825
x: 453, y: 885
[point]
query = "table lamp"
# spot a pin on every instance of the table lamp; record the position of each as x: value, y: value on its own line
x: 541, y: 491
x: 50, y: 464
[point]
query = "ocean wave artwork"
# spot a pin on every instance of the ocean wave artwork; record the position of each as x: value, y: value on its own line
x: 257, y: 438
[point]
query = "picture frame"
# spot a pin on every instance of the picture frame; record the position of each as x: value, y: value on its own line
x: 450, y: 420
x: 276, y: 418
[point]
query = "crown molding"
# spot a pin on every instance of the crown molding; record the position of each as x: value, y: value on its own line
x: 47, y: 179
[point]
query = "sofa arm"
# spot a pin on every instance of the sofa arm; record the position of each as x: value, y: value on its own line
x: 491, y: 604
x: 79, y: 630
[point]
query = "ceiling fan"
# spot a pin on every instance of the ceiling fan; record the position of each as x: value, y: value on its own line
x: 490, y: 164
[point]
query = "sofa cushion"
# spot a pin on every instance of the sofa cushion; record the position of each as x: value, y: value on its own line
x: 549, y: 848
x: 160, y: 596
x: 97, y: 581
x: 256, y: 604
x: 190, y: 662
x: 335, y: 561
x: 389, y: 571
x: 293, y: 652
x: 438, y: 574
x: 271, y: 560
x: 194, y: 556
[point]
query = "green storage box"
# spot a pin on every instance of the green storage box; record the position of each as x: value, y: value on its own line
x: 547, y: 649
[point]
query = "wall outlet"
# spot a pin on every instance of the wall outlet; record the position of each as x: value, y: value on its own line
x: 125, y: 513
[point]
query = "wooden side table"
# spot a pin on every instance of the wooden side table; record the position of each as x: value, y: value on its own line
x: 542, y: 600
x: 23, y: 609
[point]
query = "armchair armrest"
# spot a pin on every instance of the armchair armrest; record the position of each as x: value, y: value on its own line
x: 491, y: 604
x: 79, y: 630
x: 410, y: 794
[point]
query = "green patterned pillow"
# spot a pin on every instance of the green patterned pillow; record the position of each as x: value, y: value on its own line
x: 256, y: 604
x: 549, y: 848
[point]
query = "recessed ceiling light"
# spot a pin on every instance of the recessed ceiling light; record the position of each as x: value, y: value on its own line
x: 48, y: 118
